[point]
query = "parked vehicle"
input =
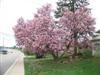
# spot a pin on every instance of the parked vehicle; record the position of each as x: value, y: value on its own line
x: 3, y: 50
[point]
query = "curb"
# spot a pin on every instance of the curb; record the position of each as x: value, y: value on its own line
x: 7, y: 72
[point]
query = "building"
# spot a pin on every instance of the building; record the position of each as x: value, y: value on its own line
x: 96, y: 39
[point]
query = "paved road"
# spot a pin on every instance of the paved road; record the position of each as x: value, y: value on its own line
x: 6, y: 60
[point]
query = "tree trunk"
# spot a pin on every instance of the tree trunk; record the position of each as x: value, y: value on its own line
x: 55, y: 56
x: 39, y: 55
x: 75, y: 52
x: 75, y: 45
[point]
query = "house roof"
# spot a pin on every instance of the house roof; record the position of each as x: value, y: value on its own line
x: 98, y: 31
x: 96, y: 36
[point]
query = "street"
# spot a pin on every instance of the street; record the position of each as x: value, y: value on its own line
x: 6, y: 60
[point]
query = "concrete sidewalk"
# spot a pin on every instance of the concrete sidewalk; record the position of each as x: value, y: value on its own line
x: 18, y: 67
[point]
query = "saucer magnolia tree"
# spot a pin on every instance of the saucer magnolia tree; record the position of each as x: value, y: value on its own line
x: 40, y: 34
x: 71, y: 5
x: 33, y: 35
x: 22, y: 34
x: 19, y: 31
x: 47, y: 37
x: 80, y: 24
x: 41, y: 25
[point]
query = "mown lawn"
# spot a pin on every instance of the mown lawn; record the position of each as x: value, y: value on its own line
x: 49, y: 67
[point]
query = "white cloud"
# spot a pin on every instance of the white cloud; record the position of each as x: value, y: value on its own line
x: 96, y: 12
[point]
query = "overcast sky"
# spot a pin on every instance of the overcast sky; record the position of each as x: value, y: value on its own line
x: 11, y: 10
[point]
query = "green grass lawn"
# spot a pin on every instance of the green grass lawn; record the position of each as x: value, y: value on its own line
x: 49, y: 67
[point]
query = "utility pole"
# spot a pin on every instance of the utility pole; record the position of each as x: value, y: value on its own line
x: 3, y: 40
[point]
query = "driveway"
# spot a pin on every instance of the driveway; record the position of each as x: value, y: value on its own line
x: 6, y: 60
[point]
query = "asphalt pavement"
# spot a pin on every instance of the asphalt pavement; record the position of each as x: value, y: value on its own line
x: 6, y: 60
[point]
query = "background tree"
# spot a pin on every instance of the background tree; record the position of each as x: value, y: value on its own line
x: 71, y: 5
